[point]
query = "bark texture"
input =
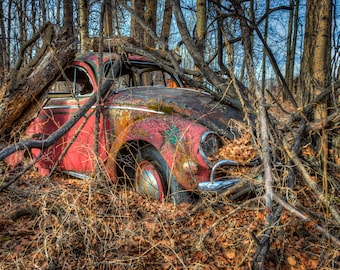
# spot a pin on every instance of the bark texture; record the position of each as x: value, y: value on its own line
x: 23, y: 93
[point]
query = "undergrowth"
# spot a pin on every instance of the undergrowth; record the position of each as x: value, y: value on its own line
x: 64, y: 223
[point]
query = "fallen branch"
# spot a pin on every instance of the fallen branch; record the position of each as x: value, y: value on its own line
x: 21, y: 97
x: 17, y: 176
x: 312, y: 184
x: 295, y: 212
x: 43, y: 144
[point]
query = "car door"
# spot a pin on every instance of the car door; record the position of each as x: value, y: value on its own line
x: 75, y: 150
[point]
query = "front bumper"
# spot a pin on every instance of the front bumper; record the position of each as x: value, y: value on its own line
x: 217, y: 185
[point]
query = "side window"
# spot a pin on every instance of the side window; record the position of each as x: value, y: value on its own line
x: 83, y: 85
x: 73, y: 81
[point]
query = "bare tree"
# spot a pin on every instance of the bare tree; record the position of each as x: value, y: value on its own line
x: 291, y: 44
x: 136, y: 30
x: 68, y: 16
x: 3, y: 48
x: 166, y: 24
x: 84, y: 24
x: 108, y: 19
x: 315, y: 67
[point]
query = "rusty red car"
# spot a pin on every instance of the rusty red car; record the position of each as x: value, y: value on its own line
x: 153, y: 131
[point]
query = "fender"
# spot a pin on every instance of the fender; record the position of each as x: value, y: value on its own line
x: 175, y: 138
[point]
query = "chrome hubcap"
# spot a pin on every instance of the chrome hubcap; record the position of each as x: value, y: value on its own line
x: 149, y: 181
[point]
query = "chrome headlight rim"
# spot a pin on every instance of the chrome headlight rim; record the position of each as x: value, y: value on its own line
x: 203, y: 152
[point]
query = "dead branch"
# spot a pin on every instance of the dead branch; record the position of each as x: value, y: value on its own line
x: 276, y: 68
x: 309, y: 181
x: 218, y: 82
x: 295, y: 212
x: 45, y: 143
x: 45, y: 29
x: 302, y: 112
x: 21, y: 97
x: 331, y: 121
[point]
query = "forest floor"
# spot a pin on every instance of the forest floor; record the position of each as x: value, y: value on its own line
x: 66, y: 223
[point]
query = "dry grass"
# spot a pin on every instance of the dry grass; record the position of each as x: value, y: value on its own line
x: 64, y: 223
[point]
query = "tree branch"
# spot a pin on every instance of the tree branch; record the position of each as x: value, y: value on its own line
x: 295, y: 212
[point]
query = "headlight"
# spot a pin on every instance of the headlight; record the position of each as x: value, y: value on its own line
x: 210, y: 145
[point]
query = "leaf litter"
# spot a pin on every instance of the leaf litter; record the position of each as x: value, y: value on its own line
x: 66, y: 223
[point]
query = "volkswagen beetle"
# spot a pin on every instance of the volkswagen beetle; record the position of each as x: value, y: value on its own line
x: 153, y: 132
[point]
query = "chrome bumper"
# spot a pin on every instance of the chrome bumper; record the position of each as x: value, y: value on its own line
x: 221, y: 185
x: 218, y: 186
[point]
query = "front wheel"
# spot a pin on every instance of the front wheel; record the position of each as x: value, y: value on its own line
x: 154, y: 178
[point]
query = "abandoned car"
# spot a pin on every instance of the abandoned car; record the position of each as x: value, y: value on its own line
x: 163, y: 138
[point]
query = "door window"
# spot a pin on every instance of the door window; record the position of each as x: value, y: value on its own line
x: 74, y: 81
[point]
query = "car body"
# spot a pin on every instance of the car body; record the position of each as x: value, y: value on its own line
x: 151, y: 129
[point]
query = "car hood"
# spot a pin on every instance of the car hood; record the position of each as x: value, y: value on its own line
x: 189, y: 103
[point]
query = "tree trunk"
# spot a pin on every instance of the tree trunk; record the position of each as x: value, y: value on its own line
x: 22, y: 94
x: 316, y: 70
x: 21, y: 8
x: 136, y: 30
x: 289, y: 48
x: 3, y: 48
x: 201, y: 30
x: 293, y: 48
x: 9, y: 29
x: 167, y: 17
x: 150, y: 20
x: 316, y: 61
x: 108, y: 19
x: 43, y: 11
x: 68, y: 16
x: 264, y: 53
x: 84, y: 24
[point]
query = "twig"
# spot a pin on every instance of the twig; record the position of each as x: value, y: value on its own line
x: 295, y: 212
x: 312, y: 184
x: 241, y: 206
x: 277, y: 102
x: 5, y: 186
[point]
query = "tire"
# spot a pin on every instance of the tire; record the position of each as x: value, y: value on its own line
x: 154, y: 178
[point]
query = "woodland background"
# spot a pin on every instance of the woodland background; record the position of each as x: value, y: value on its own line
x: 278, y: 59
